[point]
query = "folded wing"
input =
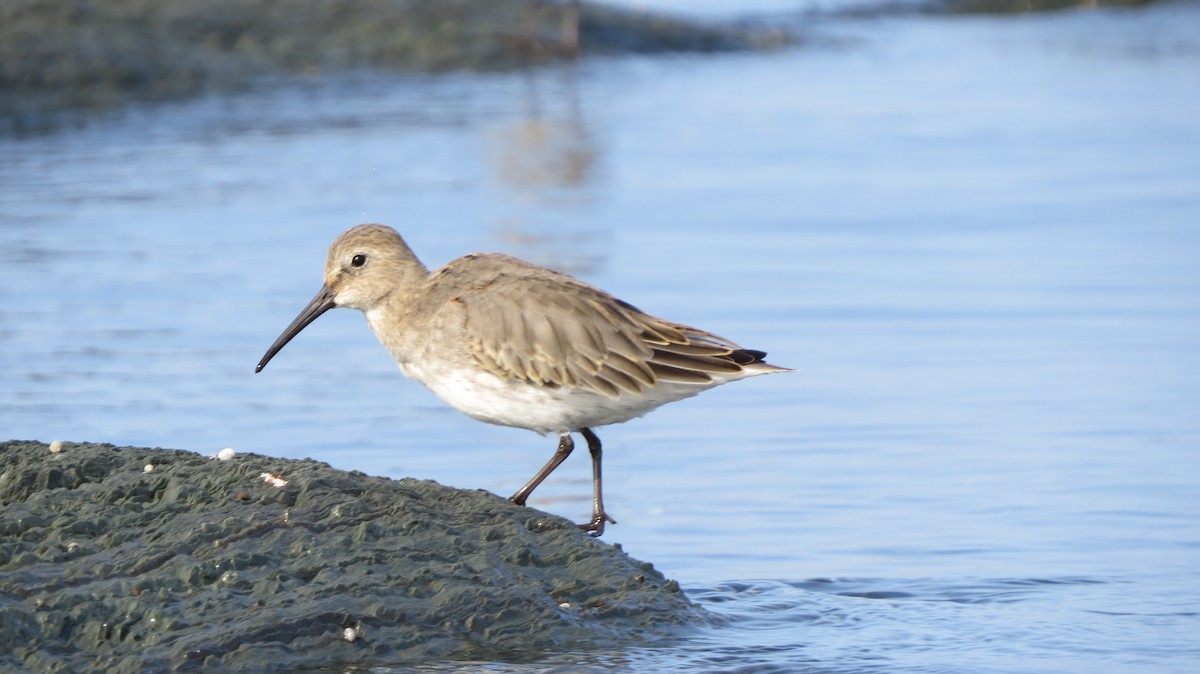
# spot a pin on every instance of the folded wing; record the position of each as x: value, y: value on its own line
x: 550, y: 329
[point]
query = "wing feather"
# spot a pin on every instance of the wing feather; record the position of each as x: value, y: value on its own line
x: 525, y: 322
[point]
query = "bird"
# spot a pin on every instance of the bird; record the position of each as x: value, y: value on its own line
x: 512, y: 343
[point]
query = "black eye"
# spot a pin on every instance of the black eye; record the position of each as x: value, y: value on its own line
x: 358, y: 260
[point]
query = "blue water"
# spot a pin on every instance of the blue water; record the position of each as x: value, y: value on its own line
x: 976, y: 239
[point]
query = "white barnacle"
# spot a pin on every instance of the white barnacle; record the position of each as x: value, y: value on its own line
x: 225, y: 454
x: 149, y: 468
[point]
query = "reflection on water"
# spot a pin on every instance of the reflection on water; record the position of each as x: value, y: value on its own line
x: 545, y: 147
x: 975, y: 240
x: 547, y: 155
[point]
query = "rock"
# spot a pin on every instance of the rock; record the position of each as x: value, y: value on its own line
x: 58, y: 56
x: 202, y: 564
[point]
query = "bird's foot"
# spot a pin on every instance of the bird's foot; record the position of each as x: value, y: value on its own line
x: 595, y: 528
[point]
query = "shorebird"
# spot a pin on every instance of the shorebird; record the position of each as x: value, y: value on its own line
x: 511, y: 343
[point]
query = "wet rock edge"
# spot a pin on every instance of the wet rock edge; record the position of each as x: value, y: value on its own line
x: 139, y: 559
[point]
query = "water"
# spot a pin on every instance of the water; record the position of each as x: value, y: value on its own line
x: 976, y: 239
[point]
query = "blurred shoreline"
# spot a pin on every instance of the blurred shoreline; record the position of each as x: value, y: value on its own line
x: 60, y: 59
x: 58, y: 56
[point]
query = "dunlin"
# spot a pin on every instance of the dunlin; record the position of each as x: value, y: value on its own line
x: 515, y: 344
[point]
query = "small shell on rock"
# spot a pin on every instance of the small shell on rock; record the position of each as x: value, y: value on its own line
x: 273, y: 479
x: 149, y: 468
x: 225, y: 454
x: 55, y: 446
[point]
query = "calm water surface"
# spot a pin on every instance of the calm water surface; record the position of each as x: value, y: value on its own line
x: 977, y: 240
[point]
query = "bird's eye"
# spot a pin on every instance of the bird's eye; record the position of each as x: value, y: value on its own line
x: 358, y: 260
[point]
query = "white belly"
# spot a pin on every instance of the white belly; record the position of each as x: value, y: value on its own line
x: 486, y: 397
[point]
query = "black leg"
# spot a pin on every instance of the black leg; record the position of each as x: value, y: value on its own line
x: 565, y: 445
x: 599, y: 517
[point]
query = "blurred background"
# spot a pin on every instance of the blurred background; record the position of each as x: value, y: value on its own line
x: 972, y: 227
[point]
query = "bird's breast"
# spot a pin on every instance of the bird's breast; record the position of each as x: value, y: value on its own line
x: 521, y: 404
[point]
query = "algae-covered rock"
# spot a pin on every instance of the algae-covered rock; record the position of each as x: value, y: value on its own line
x: 133, y: 559
x: 60, y: 55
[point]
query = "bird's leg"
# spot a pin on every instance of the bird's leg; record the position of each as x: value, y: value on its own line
x: 596, y: 527
x: 565, y: 445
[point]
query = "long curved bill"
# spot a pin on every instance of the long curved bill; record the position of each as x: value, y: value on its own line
x: 324, y: 301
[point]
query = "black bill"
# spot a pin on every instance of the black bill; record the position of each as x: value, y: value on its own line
x: 324, y: 301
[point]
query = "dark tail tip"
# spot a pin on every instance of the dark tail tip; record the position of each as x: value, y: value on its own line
x: 747, y: 356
